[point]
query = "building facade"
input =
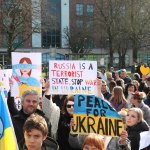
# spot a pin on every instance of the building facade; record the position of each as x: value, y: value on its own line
x: 41, y: 31
x: 57, y: 28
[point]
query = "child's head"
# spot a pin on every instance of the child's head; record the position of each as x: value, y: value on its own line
x: 35, y: 131
x: 93, y: 141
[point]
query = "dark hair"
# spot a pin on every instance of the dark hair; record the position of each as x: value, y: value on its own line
x: 126, y: 88
x: 137, y: 76
x: 68, y: 98
x: 120, y: 82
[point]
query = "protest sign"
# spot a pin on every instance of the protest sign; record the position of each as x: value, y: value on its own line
x: 17, y: 101
x: 73, y: 77
x: 5, y: 74
x: 26, y: 73
x: 144, y: 142
x: 94, y: 115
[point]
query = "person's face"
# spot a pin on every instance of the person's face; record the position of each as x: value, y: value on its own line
x: 88, y: 147
x: 131, y: 89
x: 103, y: 88
x: 123, y: 75
x: 133, y: 100
x: 34, y: 139
x: 134, y: 77
x: 30, y: 104
x: 25, y: 71
x: 131, y: 118
x: 135, y: 83
x: 116, y: 74
x: 70, y: 107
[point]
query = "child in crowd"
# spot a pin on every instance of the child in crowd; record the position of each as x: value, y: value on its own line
x: 35, y: 132
x: 93, y: 142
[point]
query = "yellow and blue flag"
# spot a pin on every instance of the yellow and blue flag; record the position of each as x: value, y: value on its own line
x: 7, y: 136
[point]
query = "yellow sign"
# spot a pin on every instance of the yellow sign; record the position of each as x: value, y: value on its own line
x: 106, y: 126
x: 94, y: 115
x: 144, y: 70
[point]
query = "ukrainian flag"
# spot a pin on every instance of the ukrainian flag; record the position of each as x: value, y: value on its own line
x: 7, y: 136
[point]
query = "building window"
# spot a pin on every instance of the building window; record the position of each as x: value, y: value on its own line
x: 90, y: 24
x: 90, y: 10
x: 17, y: 42
x: 45, y: 58
x: 60, y: 56
x: 51, y: 24
x: 79, y: 23
x: 79, y: 9
x: 122, y: 10
x: 89, y: 43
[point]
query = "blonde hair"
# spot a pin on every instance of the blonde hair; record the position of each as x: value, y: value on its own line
x: 139, y: 113
x: 118, y: 96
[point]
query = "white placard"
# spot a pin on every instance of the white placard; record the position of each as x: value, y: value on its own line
x: 144, y: 139
x: 17, y: 101
x: 73, y: 77
x: 26, y: 73
x: 5, y: 74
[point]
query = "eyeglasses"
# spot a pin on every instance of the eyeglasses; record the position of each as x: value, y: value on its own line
x: 69, y: 106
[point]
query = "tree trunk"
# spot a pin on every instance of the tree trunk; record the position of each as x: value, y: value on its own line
x: 10, y: 47
x: 134, y: 49
x: 110, y: 64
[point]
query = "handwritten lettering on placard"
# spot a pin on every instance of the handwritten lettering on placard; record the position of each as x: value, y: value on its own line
x: 72, y: 77
x: 92, y: 114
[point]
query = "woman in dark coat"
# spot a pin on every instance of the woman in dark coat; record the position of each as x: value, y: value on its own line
x: 135, y: 125
x: 64, y: 123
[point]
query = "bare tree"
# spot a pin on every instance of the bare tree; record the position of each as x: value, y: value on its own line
x: 19, y: 19
x: 107, y: 12
x: 126, y: 24
x: 137, y: 23
x: 80, y: 35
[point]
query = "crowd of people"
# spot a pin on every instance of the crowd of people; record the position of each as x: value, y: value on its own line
x: 44, y: 122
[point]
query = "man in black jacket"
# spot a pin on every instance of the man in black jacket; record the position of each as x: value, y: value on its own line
x: 30, y: 101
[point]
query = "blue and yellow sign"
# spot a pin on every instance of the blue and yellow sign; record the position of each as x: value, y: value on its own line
x: 94, y: 115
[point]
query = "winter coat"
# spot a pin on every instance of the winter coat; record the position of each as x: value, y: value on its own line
x: 113, y: 144
x: 11, y: 105
x: 63, y: 132
x: 134, y: 134
x: 60, y: 123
